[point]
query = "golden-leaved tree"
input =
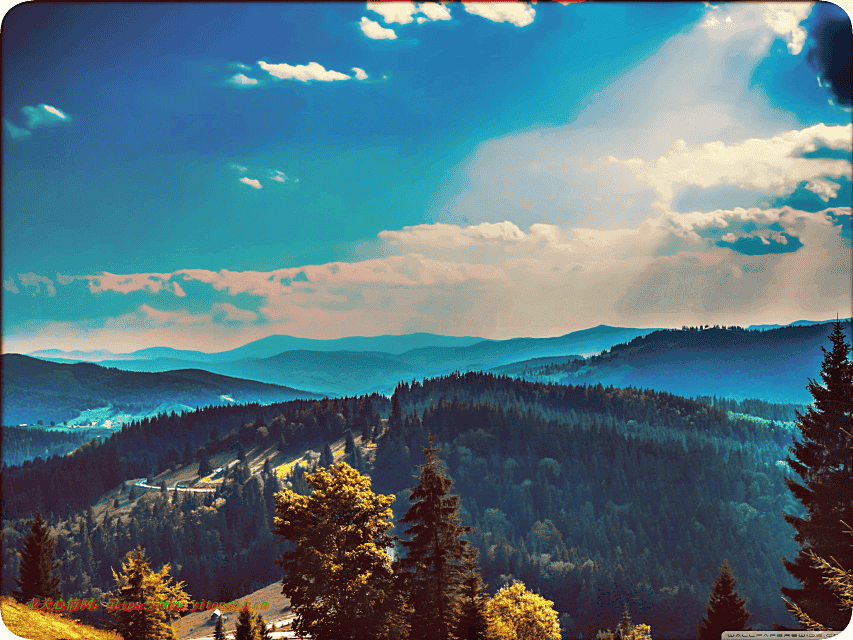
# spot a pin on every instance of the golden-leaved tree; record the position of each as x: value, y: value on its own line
x: 518, y: 614
x: 148, y: 600
x: 337, y: 572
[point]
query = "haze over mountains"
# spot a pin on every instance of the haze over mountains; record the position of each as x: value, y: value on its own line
x: 735, y: 363
x: 350, y: 366
x: 38, y: 390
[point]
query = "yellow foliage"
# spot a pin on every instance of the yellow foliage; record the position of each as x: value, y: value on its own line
x: 42, y: 625
x: 518, y: 614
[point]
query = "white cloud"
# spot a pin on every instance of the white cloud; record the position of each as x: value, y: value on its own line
x: 234, y: 314
x: 43, y: 114
x: 252, y: 183
x: 15, y: 132
x: 399, y: 12
x: 166, y: 318
x: 243, y: 80
x: 784, y: 19
x: 767, y: 164
x: 10, y: 286
x: 32, y: 280
x: 278, y: 176
x: 239, y: 168
x: 303, y: 73
x: 517, y: 13
x: 374, y: 31
x: 359, y: 73
x: 433, y: 11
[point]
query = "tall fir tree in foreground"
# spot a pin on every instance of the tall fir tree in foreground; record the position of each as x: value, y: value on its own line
x: 839, y: 580
x: 726, y: 610
x: 137, y: 586
x: 37, y: 575
x: 824, y: 461
x: 433, y: 569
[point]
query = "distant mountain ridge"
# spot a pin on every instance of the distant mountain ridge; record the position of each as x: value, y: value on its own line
x: 36, y: 389
x: 358, y: 371
x: 768, y: 364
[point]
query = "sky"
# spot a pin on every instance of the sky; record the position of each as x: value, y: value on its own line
x: 199, y: 176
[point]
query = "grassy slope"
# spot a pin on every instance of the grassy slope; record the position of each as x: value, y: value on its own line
x: 38, y: 625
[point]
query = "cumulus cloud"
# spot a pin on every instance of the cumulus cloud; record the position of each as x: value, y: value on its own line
x: 375, y: 31
x: 433, y: 11
x: 15, y: 132
x: 256, y: 184
x: 399, y: 12
x: 773, y: 164
x: 517, y: 13
x: 243, y: 80
x: 35, y: 281
x: 36, y: 117
x: 359, y: 73
x: 9, y: 285
x: 229, y: 313
x: 166, y: 318
x: 303, y: 73
x: 105, y: 281
x: 784, y: 19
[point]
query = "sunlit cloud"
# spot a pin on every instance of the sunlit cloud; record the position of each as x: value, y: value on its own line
x: 243, y: 80
x: 303, y: 73
x: 773, y: 164
x: 359, y: 74
x: 518, y: 13
x: 35, y: 117
x: 375, y: 31
x: 256, y: 184
x: 9, y: 285
x: 784, y: 18
x: 230, y: 313
x: 31, y: 280
x: 399, y: 12
x: 433, y: 11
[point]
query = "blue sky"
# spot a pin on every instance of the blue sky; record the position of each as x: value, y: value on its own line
x: 202, y: 175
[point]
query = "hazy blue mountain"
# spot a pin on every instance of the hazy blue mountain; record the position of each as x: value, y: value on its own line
x: 36, y: 389
x: 270, y: 346
x: 771, y: 364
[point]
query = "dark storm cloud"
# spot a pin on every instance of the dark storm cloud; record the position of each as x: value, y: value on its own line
x: 831, y: 53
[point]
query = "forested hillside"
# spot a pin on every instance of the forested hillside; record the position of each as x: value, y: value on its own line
x: 593, y: 496
x: 730, y: 362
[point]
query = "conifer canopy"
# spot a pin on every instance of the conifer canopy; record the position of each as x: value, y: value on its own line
x: 37, y: 575
x: 726, y: 610
x: 824, y: 462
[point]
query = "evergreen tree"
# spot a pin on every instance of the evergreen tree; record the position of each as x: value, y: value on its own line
x: 264, y: 632
x: 247, y: 628
x: 203, y: 465
x: 625, y: 626
x: 433, y: 566
x: 472, y: 605
x: 37, y: 574
x: 824, y: 463
x: 349, y: 445
x: 137, y: 586
x: 337, y: 573
x: 326, y: 458
x: 839, y: 580
x: 219, y: 631
x: 726, y: 610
